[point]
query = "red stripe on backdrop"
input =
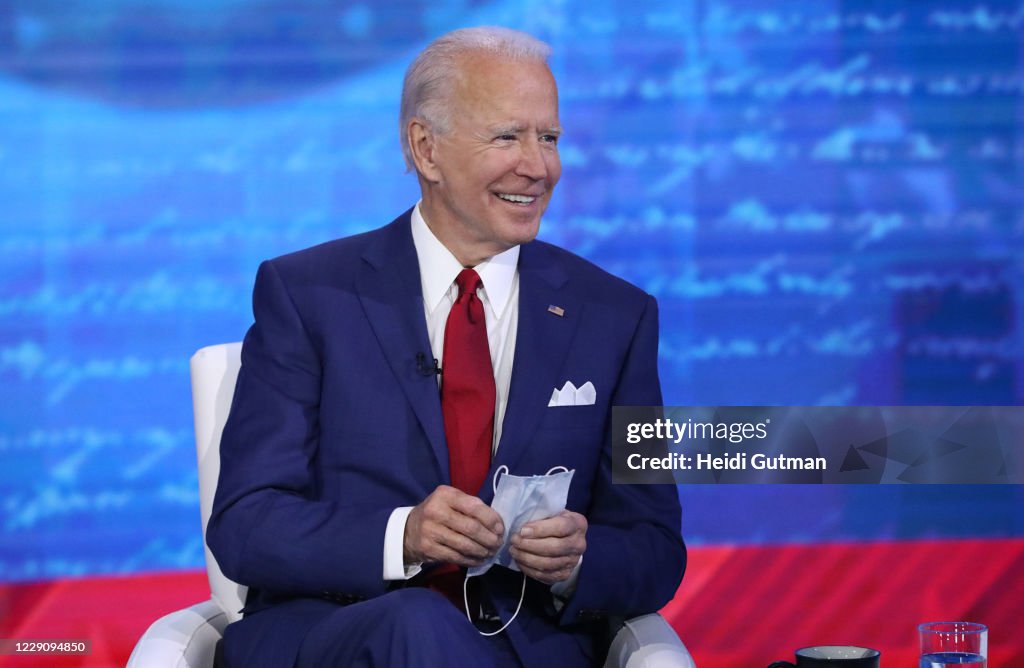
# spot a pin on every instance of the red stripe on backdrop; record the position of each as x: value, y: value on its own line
x: 738, y: 607
x: 112, y: 612
x: 744, y: 607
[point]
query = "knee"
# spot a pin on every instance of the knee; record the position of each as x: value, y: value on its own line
x: 411, y: 628
x: 423, y: 628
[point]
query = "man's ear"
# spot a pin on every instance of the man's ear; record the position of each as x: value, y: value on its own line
x: 422, y: 144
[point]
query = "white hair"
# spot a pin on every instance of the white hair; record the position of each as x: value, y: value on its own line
x: 429, y: 81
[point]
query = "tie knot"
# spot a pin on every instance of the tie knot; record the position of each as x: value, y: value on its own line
x: 468, y: 281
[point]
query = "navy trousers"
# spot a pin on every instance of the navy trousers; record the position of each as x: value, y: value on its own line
x: 407, y: 628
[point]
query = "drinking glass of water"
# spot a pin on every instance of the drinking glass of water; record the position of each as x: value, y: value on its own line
x: 949, y: 644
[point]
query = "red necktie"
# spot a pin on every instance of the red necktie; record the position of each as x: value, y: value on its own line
x: 467, y: 403
x: 467, y: 388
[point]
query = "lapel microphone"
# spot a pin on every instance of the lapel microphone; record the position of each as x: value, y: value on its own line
x: 424, y: 369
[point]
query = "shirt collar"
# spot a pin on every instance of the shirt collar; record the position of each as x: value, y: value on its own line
x: 438, y: 268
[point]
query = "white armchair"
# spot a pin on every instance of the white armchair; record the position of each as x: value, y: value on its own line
x: 188, y: 638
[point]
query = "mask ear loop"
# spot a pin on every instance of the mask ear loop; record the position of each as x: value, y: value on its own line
x: 465, y: 602
x: 497, y: 472
x: 522, y: 590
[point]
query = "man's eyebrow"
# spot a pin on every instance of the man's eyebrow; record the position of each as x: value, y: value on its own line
x: 515, y: 128
x: 507, y: 129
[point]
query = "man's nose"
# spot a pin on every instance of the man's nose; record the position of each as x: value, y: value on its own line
x: 531, y: 161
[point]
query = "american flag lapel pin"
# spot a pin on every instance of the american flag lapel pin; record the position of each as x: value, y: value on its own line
x: 557, y: 310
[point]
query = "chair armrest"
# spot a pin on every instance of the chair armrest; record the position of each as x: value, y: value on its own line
x: 648, y: 642
x: 183, y: 639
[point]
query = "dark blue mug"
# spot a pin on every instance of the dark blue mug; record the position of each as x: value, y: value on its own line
x: 833, y: 656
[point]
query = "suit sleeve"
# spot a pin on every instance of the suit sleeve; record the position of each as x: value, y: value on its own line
x: 635, y: 554
x: 270, y: 527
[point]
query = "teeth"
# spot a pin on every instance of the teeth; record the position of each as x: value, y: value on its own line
x: 519, y: 199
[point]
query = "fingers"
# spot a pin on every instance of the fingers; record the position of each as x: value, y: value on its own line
x: 562, y: 525
x: 452, y: 526
x: 455, y: 527
x: 548, y: 550
x: 473, y: 507
x: 548, y: 570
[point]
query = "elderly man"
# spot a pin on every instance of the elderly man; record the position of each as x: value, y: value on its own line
x: 390, y: 376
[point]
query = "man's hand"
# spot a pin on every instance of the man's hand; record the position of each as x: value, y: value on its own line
x: 452, y: 526
x: 548, y: 550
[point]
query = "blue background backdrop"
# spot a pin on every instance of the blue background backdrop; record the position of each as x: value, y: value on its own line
x: 826, y: 197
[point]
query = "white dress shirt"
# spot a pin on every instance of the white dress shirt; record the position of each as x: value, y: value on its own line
x: 499, y: 294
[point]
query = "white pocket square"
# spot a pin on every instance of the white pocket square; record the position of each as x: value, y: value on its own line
x: 569, y: 395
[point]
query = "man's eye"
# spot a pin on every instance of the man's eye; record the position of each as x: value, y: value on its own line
x: 549, y: 139
x: 507, y: 137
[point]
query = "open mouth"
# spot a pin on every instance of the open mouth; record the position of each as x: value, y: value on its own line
x: 516, y: 199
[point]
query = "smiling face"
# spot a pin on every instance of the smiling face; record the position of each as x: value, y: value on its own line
x: 488, y: 179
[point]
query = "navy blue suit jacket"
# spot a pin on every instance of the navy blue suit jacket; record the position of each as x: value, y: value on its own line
x: 333, y: 426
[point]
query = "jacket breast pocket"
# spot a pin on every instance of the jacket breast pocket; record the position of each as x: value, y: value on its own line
x: 587, y: 418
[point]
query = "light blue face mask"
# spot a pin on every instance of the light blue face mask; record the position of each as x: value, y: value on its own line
x: 520, y: 500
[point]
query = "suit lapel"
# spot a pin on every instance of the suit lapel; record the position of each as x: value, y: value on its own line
x: 391, y: 294
x: 542, y: 344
